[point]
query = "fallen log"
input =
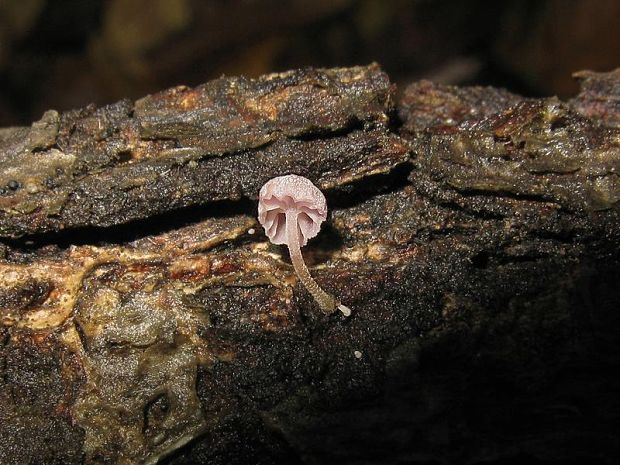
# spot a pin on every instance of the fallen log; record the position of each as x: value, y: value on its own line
x: 146, y: 318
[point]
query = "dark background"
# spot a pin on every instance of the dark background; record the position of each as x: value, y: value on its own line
x: 66, y: 54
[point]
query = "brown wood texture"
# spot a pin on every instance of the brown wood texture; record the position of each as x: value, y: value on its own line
x: 145, y: 318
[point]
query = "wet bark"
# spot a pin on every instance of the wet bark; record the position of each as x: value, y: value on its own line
x: 473, y: 233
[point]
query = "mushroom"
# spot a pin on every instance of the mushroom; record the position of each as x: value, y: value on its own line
x: 291, y: 209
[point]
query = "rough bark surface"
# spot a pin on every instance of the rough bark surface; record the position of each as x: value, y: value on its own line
x: 183, y: 147
x: 145, y: 317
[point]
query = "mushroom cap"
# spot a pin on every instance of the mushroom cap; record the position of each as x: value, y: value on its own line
x: 291, y: 192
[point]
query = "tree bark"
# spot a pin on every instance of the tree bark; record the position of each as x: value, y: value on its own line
x: 145, y: 317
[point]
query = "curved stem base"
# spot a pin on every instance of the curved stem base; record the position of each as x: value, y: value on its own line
x: 326, y: 301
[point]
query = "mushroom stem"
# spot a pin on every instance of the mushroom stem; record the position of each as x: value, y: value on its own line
x: 327, y: 302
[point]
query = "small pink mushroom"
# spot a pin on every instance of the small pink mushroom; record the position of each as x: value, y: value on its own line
x: 291, y: 209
